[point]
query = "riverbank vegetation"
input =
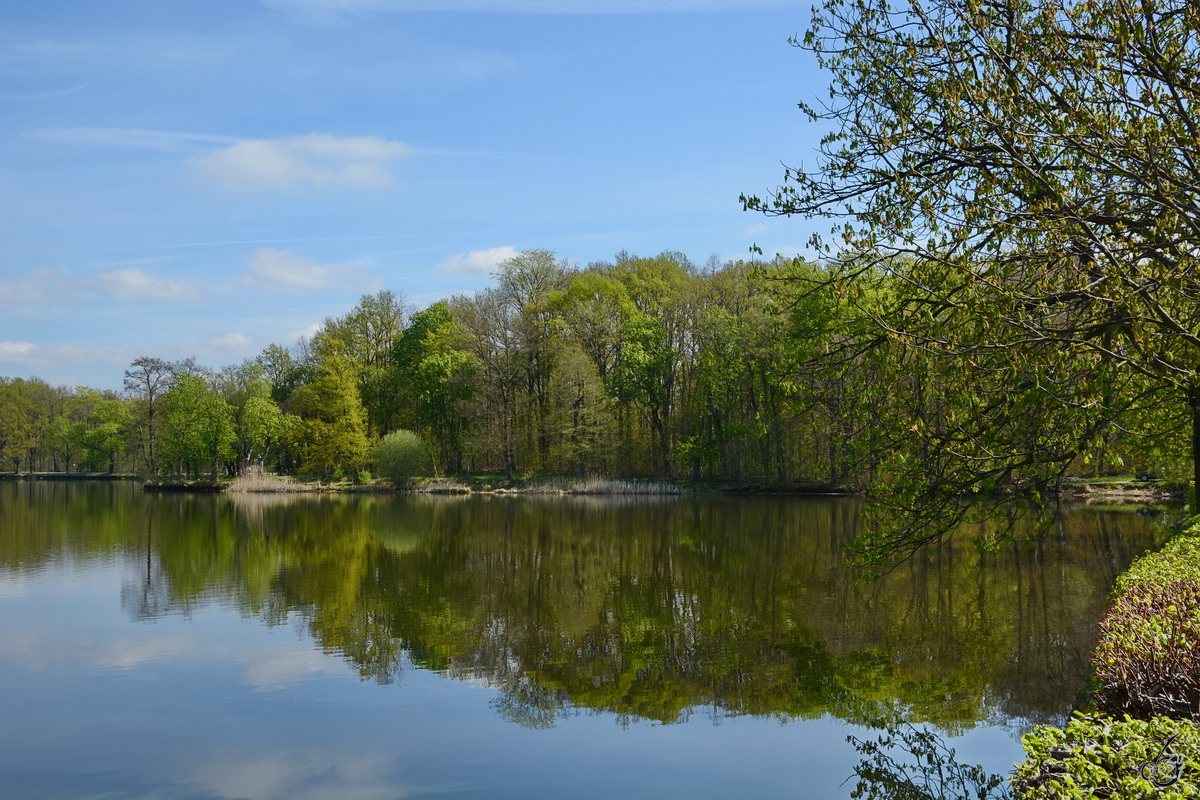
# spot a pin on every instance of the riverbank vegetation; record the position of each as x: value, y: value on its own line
x: 643, y: 368
x: 1137, y: 735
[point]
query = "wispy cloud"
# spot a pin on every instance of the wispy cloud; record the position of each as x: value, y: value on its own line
x: 315, y: 161
x: 292, y: 273
x: 477, y: 262
x: 12, y: 351
x: 213, y: 350
x: 56, y: 287
x: 152, y: 51
x: 170, y: 141
x: 333, y: 8
x: 59, y: 363
x: 50, y: 94
x: 37, y: 286
x: 134, y: 284
x: 312, y: 161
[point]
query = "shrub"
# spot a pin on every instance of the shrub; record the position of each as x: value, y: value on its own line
x: 1179, y: 559
x: 400, y: 457
x: 1148, y: 659
x: 1097, y: 756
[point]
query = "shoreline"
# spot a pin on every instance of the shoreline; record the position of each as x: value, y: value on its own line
x: 1115, y: 491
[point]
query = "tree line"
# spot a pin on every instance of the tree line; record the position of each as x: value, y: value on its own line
x: 640, y: 367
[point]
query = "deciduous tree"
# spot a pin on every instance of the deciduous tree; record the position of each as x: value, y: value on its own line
x: 1013, y: 184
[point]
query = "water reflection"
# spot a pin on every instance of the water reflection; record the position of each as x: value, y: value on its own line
x: 906, y: 762
x: 641, y: 609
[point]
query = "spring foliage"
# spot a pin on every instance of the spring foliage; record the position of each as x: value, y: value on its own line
x: 402, y: 456
x: 1010, y: 187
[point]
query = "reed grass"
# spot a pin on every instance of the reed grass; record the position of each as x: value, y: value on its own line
x: 263, y: 483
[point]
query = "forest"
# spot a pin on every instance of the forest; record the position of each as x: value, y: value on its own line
x: 752, y: 372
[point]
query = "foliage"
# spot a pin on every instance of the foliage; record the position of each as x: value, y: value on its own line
x: 1148, y: 658
x: 104, y: 431
x: 435, y: 380
x: 367, y: 334
x: 148, y: 379
x: 927, y: 770
x: 1098, y: 756
x: 1009, y: 187
x: 400, y: 457
x: 331, y: 434
x: 197, y: 426
x: 1178, y: 559
x: 643, y: 368
x: 15, y: 433
x: 1147, y: 661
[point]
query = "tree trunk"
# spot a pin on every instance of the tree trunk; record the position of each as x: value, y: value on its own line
x: 1193, y: 397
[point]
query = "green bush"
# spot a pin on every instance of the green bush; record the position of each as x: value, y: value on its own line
x: 1147, y: 662
x: 400, y: 457
x: 1178, y: 560
x: 1097, y: 756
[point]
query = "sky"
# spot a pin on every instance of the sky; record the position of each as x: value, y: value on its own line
x: 207, y: 177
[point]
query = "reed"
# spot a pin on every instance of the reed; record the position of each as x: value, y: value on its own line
x: 264, y: 483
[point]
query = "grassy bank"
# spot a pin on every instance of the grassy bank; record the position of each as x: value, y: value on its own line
x: 1138, y: 736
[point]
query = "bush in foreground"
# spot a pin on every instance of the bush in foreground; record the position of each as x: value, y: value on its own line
x: 1097, y: 756
x: 1147, y: 662
x: 400, y: 457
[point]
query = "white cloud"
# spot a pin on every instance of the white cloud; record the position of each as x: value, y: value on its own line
x: 314, y: 161
x: 477, y: 262
x: 332, y: 8
x: 143, y: 138
x: 214, y: 350
x: 235, y: 342
x: 14, y: 351
x: 134, y: 284
x: 310, y: 775
x: 127, y: 653
x: 305, y: 333
x: 292, y: 273
x: 276, y: 670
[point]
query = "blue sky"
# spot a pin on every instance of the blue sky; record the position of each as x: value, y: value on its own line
x: 206, y: 178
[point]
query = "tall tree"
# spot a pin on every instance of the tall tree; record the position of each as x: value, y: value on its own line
x: 434, y: 380
x: 525, y: 282
x: 332, y: 434
x: 367, y: 334
x: 16, y: 431
x: 1016, y: 179
x: 147, y: 380
x: 197, y: 426
x: 105, y: 430
x: 643, y: 374
x: 257, y: 418
x: 486, y: 328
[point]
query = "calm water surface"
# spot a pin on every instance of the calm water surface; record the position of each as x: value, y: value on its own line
x: 406, y: 647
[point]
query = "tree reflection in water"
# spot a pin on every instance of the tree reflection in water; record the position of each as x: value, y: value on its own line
x: 634, y: 608
x: 906, y: 762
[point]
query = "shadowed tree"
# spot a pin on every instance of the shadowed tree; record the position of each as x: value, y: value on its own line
x: 1011, y: 187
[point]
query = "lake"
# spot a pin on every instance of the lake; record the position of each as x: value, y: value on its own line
x: 377, y: 647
